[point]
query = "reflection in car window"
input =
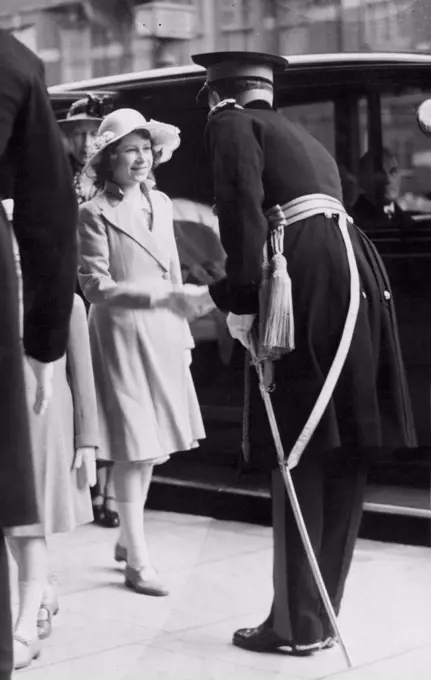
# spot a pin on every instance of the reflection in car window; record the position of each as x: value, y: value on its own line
x: 411, y: 148
x: 385, y: 163
x: 317, y: 118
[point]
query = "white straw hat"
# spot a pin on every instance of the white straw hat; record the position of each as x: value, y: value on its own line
x: 119, y: 123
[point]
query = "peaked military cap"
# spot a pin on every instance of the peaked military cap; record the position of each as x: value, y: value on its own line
x: 227, y: 65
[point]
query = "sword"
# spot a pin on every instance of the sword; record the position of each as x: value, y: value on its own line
x: 296, y: 508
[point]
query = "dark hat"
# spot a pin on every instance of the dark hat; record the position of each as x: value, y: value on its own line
x: 226, y: 65
x: 88, y: 109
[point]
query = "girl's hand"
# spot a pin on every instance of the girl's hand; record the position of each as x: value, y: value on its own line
x: 198, y: 301
x: 85, y: 463
x: 172, y: 299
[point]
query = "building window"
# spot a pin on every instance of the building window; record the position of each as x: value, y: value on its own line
x: 75, y: 46
x: 107, y: 54
x: 235, y: 15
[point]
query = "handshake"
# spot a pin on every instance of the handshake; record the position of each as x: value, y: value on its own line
x: 189, y: 302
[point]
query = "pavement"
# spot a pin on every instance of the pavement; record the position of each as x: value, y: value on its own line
x: 219, y: 574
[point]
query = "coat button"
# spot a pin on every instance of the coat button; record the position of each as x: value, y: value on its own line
x: 364, y: 295
x: 387, y: 295
x: 166, y: 275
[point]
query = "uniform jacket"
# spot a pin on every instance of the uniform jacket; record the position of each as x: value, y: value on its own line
x: 146, y: 398
x: 260, y: 159
x: 35, y: 173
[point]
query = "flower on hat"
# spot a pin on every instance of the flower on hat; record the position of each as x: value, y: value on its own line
x: 100, y: 142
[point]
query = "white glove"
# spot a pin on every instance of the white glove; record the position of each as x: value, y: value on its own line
x: 85, y: 463
x: 44, y: 374
x: 240, y: 326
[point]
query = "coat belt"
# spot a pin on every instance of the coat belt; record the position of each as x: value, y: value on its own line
x: 294, y: 211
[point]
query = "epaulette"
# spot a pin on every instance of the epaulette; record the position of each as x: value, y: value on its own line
x: 224, y: 105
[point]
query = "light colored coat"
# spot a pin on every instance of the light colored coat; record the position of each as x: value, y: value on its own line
x: 147, y: 402
x: 69, y: 423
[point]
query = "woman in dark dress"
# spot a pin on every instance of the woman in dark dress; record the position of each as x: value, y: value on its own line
x: 80, y: 128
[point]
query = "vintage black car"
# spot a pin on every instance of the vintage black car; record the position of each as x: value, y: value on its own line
x: 356, y: 104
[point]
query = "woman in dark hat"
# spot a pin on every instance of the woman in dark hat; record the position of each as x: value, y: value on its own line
x: 80, y: 129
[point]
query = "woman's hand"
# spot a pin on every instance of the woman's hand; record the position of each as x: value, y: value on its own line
x: 85, y: 463
x: 44, y: 374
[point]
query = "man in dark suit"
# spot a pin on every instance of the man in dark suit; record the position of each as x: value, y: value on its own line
x: 377, y: 206
x: 36, y: 174
x: 260, y: 160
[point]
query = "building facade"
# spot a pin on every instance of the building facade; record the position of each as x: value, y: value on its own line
x: 88, y: 38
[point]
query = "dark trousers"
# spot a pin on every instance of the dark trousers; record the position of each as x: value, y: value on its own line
x: 6, y: 644
x: 330, y: 490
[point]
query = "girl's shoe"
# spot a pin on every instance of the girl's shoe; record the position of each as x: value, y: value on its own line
x: 25, y: 651
x: 145, y: 581
x: 47, y: 611
x: 120, y: 554
x: 111, y: 518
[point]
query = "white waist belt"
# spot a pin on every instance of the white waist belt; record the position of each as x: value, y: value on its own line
x: 294, y: 211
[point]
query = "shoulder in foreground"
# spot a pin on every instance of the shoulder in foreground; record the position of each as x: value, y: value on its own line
x: 19, y: 58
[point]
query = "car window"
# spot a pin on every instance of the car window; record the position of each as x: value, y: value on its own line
x: 394, y: 171
x: 410, y: 147
x: 317, y: 118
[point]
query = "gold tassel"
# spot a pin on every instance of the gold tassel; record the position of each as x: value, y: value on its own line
x: 278, y: 330
x: 279, y: 336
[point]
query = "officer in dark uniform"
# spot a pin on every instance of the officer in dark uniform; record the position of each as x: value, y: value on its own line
x: 35, y: 173
x: 260, y: 160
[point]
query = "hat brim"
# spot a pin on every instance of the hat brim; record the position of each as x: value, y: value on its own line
x: 79, y: 118
x: 209, y: 59
x: 164, y: 137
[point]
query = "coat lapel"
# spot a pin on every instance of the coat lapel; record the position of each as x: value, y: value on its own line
x: 121, y: 216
